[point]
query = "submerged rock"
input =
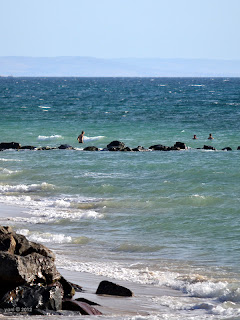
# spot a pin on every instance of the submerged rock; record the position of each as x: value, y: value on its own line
x: 110, y: 288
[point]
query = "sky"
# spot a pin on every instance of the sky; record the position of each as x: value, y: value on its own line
x: 195, y: 29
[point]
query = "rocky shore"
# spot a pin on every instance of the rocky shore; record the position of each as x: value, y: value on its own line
x: 113, y: 146
x: 31, y: 284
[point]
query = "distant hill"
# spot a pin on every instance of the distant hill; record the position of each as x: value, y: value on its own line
x: 132, y: 67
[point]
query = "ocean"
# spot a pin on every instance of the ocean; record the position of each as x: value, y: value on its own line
x: 166, y: 224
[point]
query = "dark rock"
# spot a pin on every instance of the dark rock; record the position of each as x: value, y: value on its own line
x: 180, y: 145
x: 68, y: 288
x: 159, y: 147
x: 83, y: 307
x: 110, y: 288
x: 139, y: 148
x: 10, y: 145
x: 28, y: 148
x: 34, y: 268
x: 238, y: 148
x: 227, y: 149
x: 91, y: 148
x: 126, y: 149
x: 76, y: 287
x: 65, y: 146
x: 18, y: 244
x: 46, y: 148
x: 33, y: 297
x: 208, y: 148
x: 114, y: 149
x: 117, y: 145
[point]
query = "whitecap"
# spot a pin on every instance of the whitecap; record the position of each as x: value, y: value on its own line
x: 6, y: 160
x: 52, y: 137
x: 7, y: 172
x: 93, y: 138
x: 23, y: 188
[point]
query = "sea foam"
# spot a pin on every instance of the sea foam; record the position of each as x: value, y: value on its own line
x: 52, y: 137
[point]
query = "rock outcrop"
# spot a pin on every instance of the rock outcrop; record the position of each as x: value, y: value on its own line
x: 9, y: 145
x: 30, y: 284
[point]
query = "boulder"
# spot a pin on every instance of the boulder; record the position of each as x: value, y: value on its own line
x: 139, y: 148
x: 18, y: 244
x: 28, y: 148
x: 69, y: 288
x: 91, y: 148
x: 159, y: 147
x: 227, y: 149
x: 33, y: 297
x: 110, y: 288
x: 9, y: 145
x: 208, y: 148
x: 24, y: 262
x: 46, y: 148
x: 115, y: 146
x: 126, y: 149
x: 83, y: 307
x: 18, y: 270
x: 65, y: 146
x: 180, y: 145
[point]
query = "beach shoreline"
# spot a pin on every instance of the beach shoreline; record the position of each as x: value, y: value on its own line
x: 114, y: 306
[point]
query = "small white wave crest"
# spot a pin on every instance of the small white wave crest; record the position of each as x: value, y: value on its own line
x: 23, y: 188
x: 45, y: 237
x: 93, y: 138
x: 52, y: 137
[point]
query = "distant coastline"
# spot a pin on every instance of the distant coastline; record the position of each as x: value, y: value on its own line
x: 122, y: 67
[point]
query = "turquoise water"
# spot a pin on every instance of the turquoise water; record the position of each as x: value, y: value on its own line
x: 170, y: 216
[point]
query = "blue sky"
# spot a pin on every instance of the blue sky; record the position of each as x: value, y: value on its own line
x: 121, y: 28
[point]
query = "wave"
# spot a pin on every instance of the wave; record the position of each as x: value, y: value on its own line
x: 197, y: 292
x: 7, y: 160
x: 93, y: 138
x: 7, y: 172
x: 45, y: 237
x: 52, y: 137
x: 23, y: 188
x: 44, y: 210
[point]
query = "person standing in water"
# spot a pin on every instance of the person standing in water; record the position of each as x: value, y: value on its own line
x: 80, y: 137
x: 210, y: 136
x: 194, y: 137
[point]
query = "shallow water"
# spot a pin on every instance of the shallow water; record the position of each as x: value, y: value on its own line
x: 168, y: 220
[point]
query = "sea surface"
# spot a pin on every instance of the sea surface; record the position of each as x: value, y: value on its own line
x: 167, y: 220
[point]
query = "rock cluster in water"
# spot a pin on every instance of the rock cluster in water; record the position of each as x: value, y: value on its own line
x: 30, y: 284
x: 113, y: 146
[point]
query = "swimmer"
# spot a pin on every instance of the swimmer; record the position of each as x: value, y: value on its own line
x: 80, y: 137
x: 194, y: 137
x: 210, y: 136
